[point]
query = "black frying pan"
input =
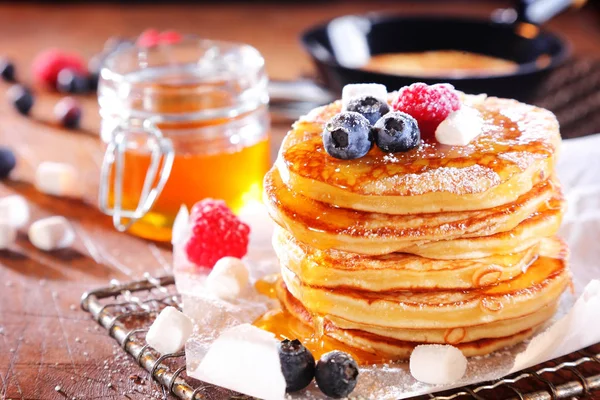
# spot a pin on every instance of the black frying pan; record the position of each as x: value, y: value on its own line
x: 338, y: 47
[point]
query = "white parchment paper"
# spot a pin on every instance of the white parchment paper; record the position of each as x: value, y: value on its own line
x: 577, y: 323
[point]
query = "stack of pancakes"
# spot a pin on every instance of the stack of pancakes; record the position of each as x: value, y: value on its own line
x: 441, y: 244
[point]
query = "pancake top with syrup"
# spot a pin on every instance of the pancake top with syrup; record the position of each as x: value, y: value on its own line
x: 515, y: 138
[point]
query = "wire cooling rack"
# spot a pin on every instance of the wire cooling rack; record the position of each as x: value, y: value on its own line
x: 127, y: 310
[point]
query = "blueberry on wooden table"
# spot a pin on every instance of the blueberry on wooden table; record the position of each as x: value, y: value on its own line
x: 68, y: 113
x: 8, y: 161
x: 7, y: 70
x: 21, y: 98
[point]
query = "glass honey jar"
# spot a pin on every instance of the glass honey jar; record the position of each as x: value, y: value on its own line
x: 181, y: 122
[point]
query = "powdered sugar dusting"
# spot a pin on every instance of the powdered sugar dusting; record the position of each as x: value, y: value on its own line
x: 473, y: 179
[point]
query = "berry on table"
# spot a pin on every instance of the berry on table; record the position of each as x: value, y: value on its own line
x: 8, y: 161
x: 336, y: 374
x: 170, y: 37
x: 21, y: 98
x: 47, y: 65
x: 347, y: 136
x: 148, y: 38
x: 396, y: 131
x: 297, y: 365
x: 68, y: 112
x: 429, y: 105
x: 216, y: 232
x: 369, y: 107
x: 7, y: 70
x: 69, y: 81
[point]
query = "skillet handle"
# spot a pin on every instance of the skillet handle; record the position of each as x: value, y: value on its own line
x: 538, y: 12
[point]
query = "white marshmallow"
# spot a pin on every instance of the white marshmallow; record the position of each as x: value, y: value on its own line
x: 170, y: 331
x: 51, y: 233
x: 8, y: 235
x: 460, y: 127
x: 14, y: 211
x: 57, y: 179
x: 355, y: 90
x: 245, y: 359
x: 181, y: 226
x: 228, y: 278
x: 437, y: 364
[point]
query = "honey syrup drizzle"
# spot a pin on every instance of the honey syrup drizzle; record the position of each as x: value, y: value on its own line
x: 285, y: 326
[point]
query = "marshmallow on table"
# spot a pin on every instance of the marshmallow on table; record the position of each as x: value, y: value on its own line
x: 228, y: 278
x: 170, y: 331
x: 437, y: 364
x: 245, y: 359
x: 57, y: 179
x: 355, y: 90
x: 51, y: 233
x: 460, y: 127
x: 8, y: 235
x: 14, y: 211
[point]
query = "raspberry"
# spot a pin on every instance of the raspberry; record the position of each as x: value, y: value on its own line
x: 216, y: 233
x: 170, y: 37
x: 151, y: 38
x: 49, y: 63
x: 148, y: 38
x: 429, y: 105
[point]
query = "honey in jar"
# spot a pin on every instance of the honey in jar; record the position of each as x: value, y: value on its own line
x: 181, y: 122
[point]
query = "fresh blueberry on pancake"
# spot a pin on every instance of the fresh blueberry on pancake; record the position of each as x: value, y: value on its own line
x: 396, y: 132
x: 297, y: 365
x: 336, y: 374
x: 369, y: 107
x: 347, y: 136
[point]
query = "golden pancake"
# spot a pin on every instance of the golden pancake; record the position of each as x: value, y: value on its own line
x: 324, y: 226
x: 514, y: 152
x: 542, y: 284
x: 398, y: 271
x: 384, y: 347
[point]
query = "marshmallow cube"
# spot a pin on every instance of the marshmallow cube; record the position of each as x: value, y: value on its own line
x: 57, y: 179
x: 14, y: 211
x: 460, y: 127
x: 8, y: 235
x: 51, y: 233
x: 228, y: 278
x: 245, y: 359
x: 355, y: 90
x: 170, y: 331
x: 437, y: 364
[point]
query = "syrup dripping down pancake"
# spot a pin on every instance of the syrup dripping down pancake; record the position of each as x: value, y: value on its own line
x: 324, y: 226
x: 400, y: 271
x: 397, y: 344
x: 542, y: 284
x: 515, y: 151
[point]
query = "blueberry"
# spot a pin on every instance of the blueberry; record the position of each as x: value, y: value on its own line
x: 21, y: 98
x: 336, y: 374
x: 7, y: 161
x: 297, y: 365
x: 69, y: 81
x: 396, y: 131
x: 7, y: 71
x: 347, y: 136
x: 68, y: 113
x: 369, y: 107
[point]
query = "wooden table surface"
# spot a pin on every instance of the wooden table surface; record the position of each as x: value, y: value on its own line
x: 46, y: 341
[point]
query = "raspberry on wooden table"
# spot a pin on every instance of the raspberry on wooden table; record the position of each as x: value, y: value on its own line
x: 148, y: 38
x: 429, y: 105
x: 49, y: 63
x: 216, y: 232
